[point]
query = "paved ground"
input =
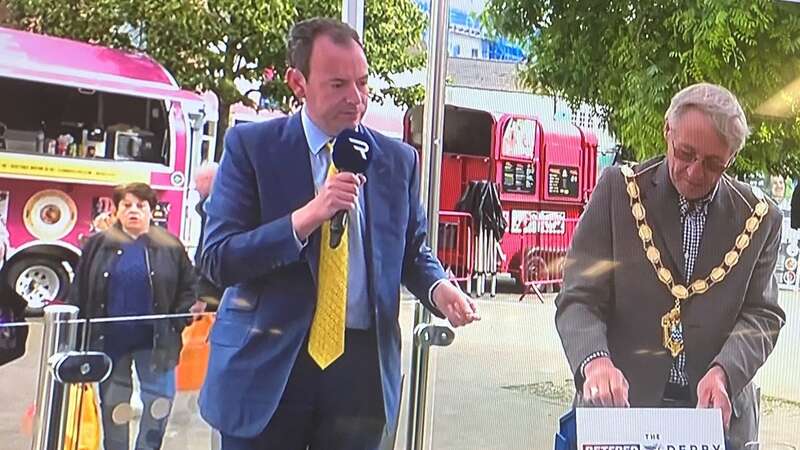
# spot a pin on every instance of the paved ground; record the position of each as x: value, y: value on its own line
x: 501, y: 385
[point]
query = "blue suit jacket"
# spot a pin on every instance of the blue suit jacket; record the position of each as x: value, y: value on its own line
x: 268, y: 306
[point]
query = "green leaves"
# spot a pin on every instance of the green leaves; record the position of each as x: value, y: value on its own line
x: 631, y: 56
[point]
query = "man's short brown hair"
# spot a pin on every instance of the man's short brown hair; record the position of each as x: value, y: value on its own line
x: 303, y: 34
x: 142, y: 191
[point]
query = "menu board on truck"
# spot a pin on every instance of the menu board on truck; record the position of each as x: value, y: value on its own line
x: 562, y: 181
x: 519, y: 177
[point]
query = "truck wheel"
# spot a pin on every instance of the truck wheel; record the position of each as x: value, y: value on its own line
x: 39, y: 280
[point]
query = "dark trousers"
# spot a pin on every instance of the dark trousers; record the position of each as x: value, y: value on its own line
x: 340, y: 408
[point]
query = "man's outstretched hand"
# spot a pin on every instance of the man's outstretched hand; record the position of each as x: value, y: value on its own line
x: 454, y: 304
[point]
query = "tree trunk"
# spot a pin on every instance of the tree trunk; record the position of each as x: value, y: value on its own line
x: 5, y: 15
x: 224, y: 111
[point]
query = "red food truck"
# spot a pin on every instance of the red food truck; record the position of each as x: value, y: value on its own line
x: 539, y: 174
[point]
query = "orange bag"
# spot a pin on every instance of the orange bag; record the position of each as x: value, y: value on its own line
x: 193, y: 362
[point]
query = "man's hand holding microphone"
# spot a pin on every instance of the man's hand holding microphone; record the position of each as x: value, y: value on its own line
x: 339, y: 194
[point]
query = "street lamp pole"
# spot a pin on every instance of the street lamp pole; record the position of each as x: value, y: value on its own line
x: 353, y: 15
x: 432, y: 143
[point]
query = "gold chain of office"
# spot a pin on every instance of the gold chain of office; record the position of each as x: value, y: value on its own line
x: 672, y: 320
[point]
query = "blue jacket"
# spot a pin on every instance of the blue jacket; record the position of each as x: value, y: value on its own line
x: 269, y: 302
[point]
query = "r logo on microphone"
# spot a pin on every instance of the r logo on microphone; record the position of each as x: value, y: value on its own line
x: 360, y: 146
x: 350, y: 154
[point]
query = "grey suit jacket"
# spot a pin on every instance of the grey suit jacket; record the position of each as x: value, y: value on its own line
x: 612, y: 300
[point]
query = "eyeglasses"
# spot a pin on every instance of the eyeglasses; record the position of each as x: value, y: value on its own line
x: 710, y: 165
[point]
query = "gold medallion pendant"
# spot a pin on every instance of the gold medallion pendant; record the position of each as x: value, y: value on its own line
x: 671, y: 321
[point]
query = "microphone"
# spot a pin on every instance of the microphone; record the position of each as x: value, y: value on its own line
x: 351, y: 153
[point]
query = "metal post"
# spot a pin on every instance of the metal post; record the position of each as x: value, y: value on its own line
x: 60, y: 332
x: 353, y: 15
x: 433, y: 127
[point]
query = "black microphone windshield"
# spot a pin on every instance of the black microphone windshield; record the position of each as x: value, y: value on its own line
x: 351, y: 152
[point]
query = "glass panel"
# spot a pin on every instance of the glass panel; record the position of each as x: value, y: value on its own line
x: 151, y: 395
x: 780, y: 382
x: 20, y: 355
x: 503, y: 383
x: 406, y: 329
x: 506, y: 381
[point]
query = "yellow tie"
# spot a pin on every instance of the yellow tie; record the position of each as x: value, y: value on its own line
x: 326, y: 341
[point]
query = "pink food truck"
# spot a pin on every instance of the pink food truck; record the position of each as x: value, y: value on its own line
x: 76, y: 120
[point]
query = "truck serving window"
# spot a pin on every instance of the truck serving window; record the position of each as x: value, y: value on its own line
x: 519, y: 137
x: 62, y: 121
x: 466, y: 131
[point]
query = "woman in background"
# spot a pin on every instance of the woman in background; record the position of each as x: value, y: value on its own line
x: 135, y: 269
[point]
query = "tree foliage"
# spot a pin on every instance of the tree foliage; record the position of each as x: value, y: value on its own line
x: 628, y: 57
x: 210, y: 44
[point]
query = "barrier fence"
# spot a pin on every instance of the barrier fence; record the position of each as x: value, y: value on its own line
x: 544, y: 252
x: 456, y: 246
x: 473, y: 255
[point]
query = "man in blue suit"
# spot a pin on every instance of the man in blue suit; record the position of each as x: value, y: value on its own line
x: 271, y: 196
